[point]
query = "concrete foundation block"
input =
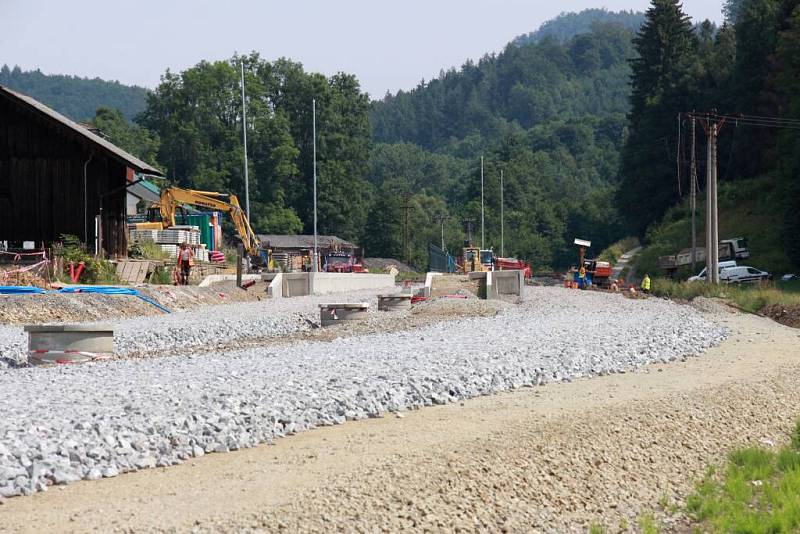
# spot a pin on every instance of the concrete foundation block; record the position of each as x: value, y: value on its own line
x: 69, y: 343
x: 394, y: 302
x: 330, y: 314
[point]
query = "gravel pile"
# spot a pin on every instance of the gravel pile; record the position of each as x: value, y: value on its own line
x: 208, y: 327
x: 67, y: 423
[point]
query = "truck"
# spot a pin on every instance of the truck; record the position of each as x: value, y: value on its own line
x: 729, y: 250
x: 342, y: 262
x: 513, y: 264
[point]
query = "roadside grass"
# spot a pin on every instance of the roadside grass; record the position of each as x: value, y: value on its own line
x: 614, y: 251
x: 758, y: 492
x: 750, y: 297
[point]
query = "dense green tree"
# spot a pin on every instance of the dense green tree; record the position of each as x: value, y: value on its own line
x: 660, y: 91
x: 787, y: 80
x: 198, y: 117
x: 130, y: 137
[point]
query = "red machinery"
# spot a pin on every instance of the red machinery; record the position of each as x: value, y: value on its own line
x: 513, y: 264
x: 600, y: 272
x: 342, y: 262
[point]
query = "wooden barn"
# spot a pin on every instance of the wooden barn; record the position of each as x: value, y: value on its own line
x: 56, y: 177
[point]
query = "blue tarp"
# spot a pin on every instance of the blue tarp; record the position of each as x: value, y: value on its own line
x: 102, y: 290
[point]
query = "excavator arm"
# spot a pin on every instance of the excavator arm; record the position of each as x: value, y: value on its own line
x: 173, y: 197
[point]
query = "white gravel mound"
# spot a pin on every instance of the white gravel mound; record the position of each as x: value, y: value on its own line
x: 207, y: 327
x: 89, y: 421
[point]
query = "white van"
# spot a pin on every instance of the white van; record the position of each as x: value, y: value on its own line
x: 723, y: 265
x: 743, y: 274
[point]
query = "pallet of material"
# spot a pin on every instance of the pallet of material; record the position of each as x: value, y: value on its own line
x: 134, y: 272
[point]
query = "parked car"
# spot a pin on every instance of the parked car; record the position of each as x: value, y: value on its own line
x: 743, y: 274
x: 789, y: 277
x: 701, y: 276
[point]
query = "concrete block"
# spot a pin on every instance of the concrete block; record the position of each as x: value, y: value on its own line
x: 331, y: 314
x: 326, y: 283
x: 66, y: 342
x: 394, y: 302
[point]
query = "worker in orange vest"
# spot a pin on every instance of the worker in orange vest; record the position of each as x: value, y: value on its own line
x: 185, y: 255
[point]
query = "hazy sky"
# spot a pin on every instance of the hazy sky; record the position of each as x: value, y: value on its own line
x: 388, y: 45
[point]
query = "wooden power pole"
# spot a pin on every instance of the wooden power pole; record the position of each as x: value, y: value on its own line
x: 406, y: 229
x: 441, y: 219
x: 693, y: 193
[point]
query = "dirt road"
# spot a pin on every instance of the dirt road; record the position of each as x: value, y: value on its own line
x: 551, y: 458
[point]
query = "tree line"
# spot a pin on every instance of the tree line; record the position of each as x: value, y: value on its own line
x: 750, y: 66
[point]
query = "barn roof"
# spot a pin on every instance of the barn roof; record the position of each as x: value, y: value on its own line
x: 75, y: 128
x: 303, y: 241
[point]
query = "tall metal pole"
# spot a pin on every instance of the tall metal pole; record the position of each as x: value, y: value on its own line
x: 502, y: 220
x: 244, y: 141
x: 314, y: 133
x: 693, y: 194
x: 483, y: 230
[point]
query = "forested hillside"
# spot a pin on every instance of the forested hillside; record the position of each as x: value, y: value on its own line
x: 77, y: 98
x: 750, y: 67
x: 568, y: 25
x: 584, y: 125
x: 551, y: 115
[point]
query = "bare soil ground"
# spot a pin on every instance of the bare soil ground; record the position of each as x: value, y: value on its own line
x: 787, y: 315
x: 549, y: 459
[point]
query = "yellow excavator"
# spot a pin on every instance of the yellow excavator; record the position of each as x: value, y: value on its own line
x: 174, y: 197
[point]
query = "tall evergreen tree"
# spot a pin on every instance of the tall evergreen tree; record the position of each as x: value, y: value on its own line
x: 660, y: 80
x: 787, y: 79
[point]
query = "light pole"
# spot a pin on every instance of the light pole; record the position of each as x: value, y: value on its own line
x: 483, y: 232
x: 244, y: 141
x: 502, y: 221
x: 314, y: 134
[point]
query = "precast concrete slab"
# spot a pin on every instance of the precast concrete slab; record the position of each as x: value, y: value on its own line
x: 69, y: 342
x: 394, y: 302
x: 331, y: 314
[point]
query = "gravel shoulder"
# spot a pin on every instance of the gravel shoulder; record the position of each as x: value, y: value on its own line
x: 550, y: 458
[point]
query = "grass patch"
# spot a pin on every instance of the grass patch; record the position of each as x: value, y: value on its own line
x: 616, y: 250
x: 749, y: 297
x: 758, y: 492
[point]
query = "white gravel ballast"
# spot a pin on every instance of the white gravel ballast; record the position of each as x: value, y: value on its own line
x: 67, y: 423
x: 206, y: 327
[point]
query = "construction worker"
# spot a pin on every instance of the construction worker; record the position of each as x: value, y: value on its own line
x: 582, y: 277
x: 185, y: 255
x: 646, y: 283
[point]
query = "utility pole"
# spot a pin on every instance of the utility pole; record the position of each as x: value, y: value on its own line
x: 468, y: 229
x: 693, y: 193
x: 406, y: 240
x: 314, y: 134
x: 502, y: 220
x: 244, y: 142
x: 441, y: 219
x: 483, y: 229
x: 712, y: 125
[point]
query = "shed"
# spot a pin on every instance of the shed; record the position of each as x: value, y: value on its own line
x: 56, y: 177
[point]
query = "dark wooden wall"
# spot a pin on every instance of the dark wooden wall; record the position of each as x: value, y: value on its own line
x: 42, y: 182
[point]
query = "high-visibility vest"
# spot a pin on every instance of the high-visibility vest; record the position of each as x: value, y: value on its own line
x: 646, y: 283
